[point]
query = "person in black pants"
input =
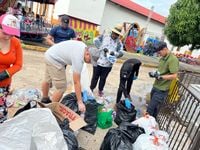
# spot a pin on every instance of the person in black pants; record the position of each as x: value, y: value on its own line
x: 128, y: 72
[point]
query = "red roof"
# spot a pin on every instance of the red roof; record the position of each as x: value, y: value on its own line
x: 140, y: 9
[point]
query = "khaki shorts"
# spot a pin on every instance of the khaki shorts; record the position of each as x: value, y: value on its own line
x: 55, y: 76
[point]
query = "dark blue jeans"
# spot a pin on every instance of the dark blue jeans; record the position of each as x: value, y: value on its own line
x: 157, y: 99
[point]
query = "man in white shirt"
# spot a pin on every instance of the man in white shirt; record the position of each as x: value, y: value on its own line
x: 70, y: 52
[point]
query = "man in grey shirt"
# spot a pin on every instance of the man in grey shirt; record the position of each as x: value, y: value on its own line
x: 73, y: 53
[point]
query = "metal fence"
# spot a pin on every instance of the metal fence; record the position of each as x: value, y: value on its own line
x: 180, y: 114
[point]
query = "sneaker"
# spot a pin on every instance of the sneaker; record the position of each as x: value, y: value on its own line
x: 100, y: 93
x: 46, y: 100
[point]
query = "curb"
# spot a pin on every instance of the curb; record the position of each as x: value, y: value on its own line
x: 120, y: 61
x: 34, y: 48
x: 43, y: 49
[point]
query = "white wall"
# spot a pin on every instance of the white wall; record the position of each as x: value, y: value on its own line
x: 115, y: 14
x: 61, y: 7
x: 89, y: 10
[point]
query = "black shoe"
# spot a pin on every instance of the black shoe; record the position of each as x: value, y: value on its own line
x: 46, y: 100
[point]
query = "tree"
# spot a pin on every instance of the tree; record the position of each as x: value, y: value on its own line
x: 183, y: 24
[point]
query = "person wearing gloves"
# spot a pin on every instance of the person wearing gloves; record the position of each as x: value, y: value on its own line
x: 111, y: 48
x: 128, y: 72
x: 73, y: 53
x: 10, y: 52
x: 167, y: 71
x: 62, y: 32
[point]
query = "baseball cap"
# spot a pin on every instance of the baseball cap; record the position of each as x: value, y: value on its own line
x: 65, y: 19
x: 10, y: 24
x: 160, y: 45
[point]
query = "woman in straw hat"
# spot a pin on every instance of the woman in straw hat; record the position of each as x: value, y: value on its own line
x: 111, y: 48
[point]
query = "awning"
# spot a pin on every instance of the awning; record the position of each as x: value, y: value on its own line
x: 44, y: 1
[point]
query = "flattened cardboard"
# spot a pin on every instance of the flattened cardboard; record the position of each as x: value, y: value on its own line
x: 62, y: 112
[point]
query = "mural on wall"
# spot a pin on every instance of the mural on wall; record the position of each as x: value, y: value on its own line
x: 85, y: 31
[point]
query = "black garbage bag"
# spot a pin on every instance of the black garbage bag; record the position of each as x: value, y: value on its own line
x: 124, y: 114
x: 116, y: 140
x: 122, y: 137
x: 70, y: 101
x: 131, y: 131
x: 68, y: 134
x: 29, y: 105
x: 91, y: 116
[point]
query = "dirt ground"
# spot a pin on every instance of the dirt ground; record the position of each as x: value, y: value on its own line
x: 32, y: 75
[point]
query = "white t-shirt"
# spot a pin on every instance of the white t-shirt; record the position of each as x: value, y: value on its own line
x: 69, y: 52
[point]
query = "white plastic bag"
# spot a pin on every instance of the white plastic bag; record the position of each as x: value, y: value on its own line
x: 34, y: 129
x: 148, y: 123
x: 147, y: 142
x: 85, y: 81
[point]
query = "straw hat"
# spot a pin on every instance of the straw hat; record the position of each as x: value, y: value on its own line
x: 117, y: 29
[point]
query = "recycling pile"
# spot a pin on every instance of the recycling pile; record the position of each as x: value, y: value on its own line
x: 134, y: 127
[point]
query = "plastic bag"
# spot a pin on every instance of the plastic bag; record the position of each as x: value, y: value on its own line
x: 69, y: 135
x: 85, y: 81
x: 151, y: 143
x: 131, y: 131
x: 104, y: 118
x: 70, y: 101
x: 148, y: 123
x: 124, y: 114
x: 24, y: 95
x: 91, y: 116
x: 34, y: 129
x: 122, y: 137
x: 115, y: 140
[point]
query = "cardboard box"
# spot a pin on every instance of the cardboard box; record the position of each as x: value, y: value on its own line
x: 62, y: 112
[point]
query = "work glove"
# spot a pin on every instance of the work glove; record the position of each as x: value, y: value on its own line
x: 4, y: 75
x: 112, y: 53
x: 111, y: 59
x: 134, y: 77
x: 128, y: 103
x: 105, y: 51
x: 155, y: 74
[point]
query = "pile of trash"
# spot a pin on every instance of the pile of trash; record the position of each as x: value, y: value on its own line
x: 55, y: 126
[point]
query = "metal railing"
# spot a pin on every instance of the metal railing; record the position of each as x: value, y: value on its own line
x: 180, y: 114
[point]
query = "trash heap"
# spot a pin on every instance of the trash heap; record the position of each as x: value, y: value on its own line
x: 55, y: 126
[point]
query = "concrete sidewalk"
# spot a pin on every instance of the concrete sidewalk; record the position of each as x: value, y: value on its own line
x: 147, y: 61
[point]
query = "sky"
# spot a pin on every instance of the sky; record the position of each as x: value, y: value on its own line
x: 160, y: 6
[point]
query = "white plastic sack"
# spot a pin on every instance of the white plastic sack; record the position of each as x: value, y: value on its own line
x: 150, y: 143
x: 34, y: 129
x: 162, y: 135
x: 85, y: 81
x: 148, y: 123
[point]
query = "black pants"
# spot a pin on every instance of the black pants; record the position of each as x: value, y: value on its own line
x: 125, y: 87
x: 157, y: 99
x: 99, y: 73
